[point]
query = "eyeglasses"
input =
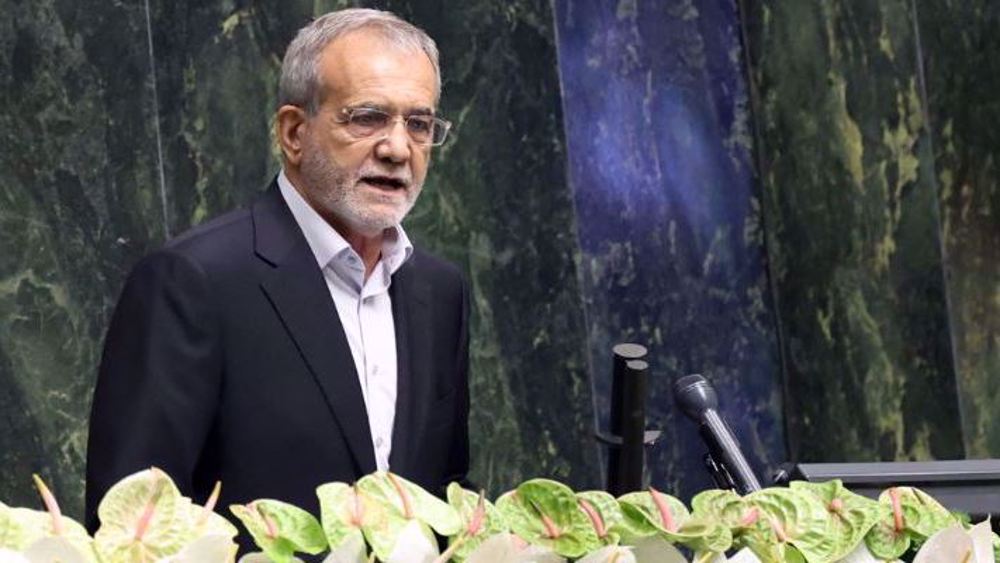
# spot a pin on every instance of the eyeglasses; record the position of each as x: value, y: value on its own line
x: 364, y: 122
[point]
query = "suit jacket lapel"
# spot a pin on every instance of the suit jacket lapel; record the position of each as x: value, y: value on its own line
x: 298, y: 292
x: 409, y: 296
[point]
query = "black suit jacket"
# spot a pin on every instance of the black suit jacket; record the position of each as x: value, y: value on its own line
x: 225, y: 360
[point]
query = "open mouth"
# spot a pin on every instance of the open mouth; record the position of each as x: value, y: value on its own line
x: 384, y: 182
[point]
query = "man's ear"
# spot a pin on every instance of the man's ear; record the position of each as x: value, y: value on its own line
x: 291, y: 125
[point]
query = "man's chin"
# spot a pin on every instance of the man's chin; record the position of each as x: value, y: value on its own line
x: 370, y: 225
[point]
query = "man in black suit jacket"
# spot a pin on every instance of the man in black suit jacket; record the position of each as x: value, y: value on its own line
x: 241, y: 351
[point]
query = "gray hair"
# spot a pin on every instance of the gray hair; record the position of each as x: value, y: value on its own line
x: 300, y: 81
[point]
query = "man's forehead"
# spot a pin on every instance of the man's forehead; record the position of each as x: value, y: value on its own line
x: 364, y: 59
x: 362, y: 47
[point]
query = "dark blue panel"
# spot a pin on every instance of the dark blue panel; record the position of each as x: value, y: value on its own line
x: 657, y: 125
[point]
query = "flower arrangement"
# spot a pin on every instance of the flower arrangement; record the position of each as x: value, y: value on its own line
x: 383, y: 517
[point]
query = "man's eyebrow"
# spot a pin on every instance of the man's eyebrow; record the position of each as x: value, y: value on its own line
x: 389, y: 109
x: 371, y: 105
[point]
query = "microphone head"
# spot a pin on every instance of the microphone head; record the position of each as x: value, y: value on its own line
x: 694, y: 395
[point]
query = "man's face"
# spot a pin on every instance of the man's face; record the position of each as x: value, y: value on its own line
x: 366, y: 184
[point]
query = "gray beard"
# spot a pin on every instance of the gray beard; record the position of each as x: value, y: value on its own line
x: 337, y: 192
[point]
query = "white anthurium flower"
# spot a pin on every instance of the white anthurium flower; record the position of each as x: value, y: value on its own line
x: 505, y: 548
x: 982, y: 540
x: 610, y: 554
x: 353, y: 550
x: 955, y: 544
x: 54, y: 549
x: 210, y: 548
x: 413, y: 546
x: 11, y: 556
x: 654, y: 549
x: 743, y: 556
x: 861, y: 554
x: 261, y: 557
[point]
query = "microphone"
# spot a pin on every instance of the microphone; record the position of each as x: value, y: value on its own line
x: 697, y: 399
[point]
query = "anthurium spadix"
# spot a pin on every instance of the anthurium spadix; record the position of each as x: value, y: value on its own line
x: 908, y: 515
x: 651, y: 512
x: 280, y: 529
x: 204, y: 521
x: 343, y: 510
x: 851, y: 515
x: 796, y: 525
x: 143, y: 518
x: 394, y: 502
x: 21, y: 528
x: 480, y: 520
x: 546, y: 513
x: 604, y: 513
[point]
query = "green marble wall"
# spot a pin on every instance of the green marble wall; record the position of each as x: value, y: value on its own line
x: 961, y: 45
x: 113, y: 138
x: 122, y: 123
x: 80, y: 201
x: 850, y: 208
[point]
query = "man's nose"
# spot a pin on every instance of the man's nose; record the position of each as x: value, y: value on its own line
x: 395, y: 146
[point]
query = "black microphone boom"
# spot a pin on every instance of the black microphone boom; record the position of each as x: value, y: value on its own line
x: 696, y: 397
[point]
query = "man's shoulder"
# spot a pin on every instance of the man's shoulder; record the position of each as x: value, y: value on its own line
x: 225, y: 233
x: 217, y: 246
x: 434, y: 268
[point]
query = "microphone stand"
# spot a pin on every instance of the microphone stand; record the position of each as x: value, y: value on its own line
x: 723, y: 479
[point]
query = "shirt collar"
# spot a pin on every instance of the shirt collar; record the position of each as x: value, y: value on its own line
x: 327, y: 244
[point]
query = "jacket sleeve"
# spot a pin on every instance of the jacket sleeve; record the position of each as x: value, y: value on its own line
x: 159, y: 378
x: 458, y: 467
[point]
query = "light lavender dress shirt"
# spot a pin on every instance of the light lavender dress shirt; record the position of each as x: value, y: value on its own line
x: 364, y: 307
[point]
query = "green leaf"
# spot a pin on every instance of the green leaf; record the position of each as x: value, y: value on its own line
x: 923, y: 516
x: 852, y: 515
x: 796, y: 518
x: 410, y: 501
x: 723, y: 506
x: 38, y: 525
x: 280, y: 529
x: 545, y: 513
x: 12, y: 533
x: 670, y: 519
x: 143, y: 518
x: 608, y: 513
x: 465, y: 503
x: 395, y: 502
x: 342, y: 511
x: 884, y: 541
x: 644, y: 505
